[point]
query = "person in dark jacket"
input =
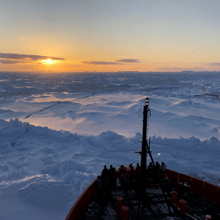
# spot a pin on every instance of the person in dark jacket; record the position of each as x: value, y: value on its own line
x: 163, y: 170
x: 112, y: 178
x: 158, y: 167
x: 122, y: 173
x: 131, y: 172
x: 105, y: 174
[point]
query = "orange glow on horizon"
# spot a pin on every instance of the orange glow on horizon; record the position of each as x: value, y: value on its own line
x: 51, y: 65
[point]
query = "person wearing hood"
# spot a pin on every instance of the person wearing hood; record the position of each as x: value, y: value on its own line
x: 163, y: 170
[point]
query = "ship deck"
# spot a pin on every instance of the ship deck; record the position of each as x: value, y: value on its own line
x: 151, y: 206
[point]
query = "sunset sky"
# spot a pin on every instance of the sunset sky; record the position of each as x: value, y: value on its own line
x: 109, y: 35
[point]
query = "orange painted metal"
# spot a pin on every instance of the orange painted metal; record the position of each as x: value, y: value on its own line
x: 120, y: 202
x: 171, y: 174
x: 200, y: 187
x: 124, y: 212
x: 197, y: 186
x: 80, y: 204
x: 183, y: 178
x: 210, y: 192
x: 174, y: 197
x: 182, y: 205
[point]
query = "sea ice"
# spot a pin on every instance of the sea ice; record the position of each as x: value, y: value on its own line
x: 57, y: 132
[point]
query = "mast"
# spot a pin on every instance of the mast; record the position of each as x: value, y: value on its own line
x: 144, y: 144
x: 146, y: 149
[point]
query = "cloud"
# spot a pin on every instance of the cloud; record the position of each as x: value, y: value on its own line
x: 100, y: 63
x: 117, y: 62
x: 9, y: 61
x: 128, y: 61
x: 16, y: 56
x: 215, y: 64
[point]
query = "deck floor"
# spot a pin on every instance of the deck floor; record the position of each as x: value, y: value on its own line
x: 152, y: 206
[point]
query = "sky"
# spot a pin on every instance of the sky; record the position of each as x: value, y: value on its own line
x: 104, y: 36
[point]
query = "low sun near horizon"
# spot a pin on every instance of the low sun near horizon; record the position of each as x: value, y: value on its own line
x: 110, y: 36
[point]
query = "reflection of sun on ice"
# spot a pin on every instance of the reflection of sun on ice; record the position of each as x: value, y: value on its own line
x: 48, y: 61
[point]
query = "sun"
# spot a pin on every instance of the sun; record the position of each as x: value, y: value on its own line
x: 48, y: 61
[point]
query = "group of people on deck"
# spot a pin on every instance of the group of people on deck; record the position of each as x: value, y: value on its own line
x: 151, y: 172
x: 108, y: 174
x: 108, y: 177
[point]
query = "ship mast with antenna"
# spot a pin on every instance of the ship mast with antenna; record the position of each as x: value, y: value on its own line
x: 144, y: 151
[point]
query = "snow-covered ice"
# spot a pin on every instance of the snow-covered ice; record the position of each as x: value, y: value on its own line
x: 58, y: 131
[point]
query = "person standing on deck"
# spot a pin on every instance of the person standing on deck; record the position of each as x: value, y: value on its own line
x: 131, y: 172
x: 105, y: 176
x: 138, y: 171
x: 158, y: 168
x: 122, y: 173
x: 163, y: 169
x: 112, y: 178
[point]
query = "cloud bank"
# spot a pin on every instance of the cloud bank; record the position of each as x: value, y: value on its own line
x: 13, y: 58
x: 9, y: 61
x: 23, y: 56
x: 128, y: 61
x: 100, y: 62
x: 117, y: 62
x: 215, y: 64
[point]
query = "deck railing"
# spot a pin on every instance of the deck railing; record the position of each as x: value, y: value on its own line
x: 200, y: 187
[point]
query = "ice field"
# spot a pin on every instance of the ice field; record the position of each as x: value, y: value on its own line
x: 58, y: 131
